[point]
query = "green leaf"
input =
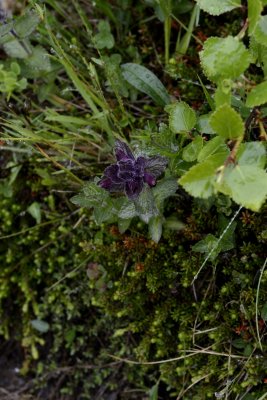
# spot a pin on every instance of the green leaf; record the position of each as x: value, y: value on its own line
x: 191, y: 151
x: 224, y: 58
x: 208, y: 244
x: 258, y: 95
x: 165, y: 188
x: 17, y: 49
x: 153, y: 392
x: 264, y: 312
x: 127, y: 210
x: 145, y: 205
x: 203, y: 124
x: 145, y: 81
x: 104, y: 38
x: 199, y: 180
x: 217, y: 7
x: 92, y: 196
x: 260, y: 31
x: 252, y: 153
x: 124, y: 224
x: 223, y: 93
x: 214, y: 146
x: 40, y: 325
x: 227, y: 122
x: 26, y: 24
x: 35, y: 210
x: 155, y: 228
x: 254, y: 13
x: 173, y: 223
x: 38, y: 60
x: 245, y: 184
x: 104, y: 211
x: 239, y: 343
x: 182, y: 117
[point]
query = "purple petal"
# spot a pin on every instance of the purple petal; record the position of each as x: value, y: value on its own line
x: 111, y: 172
x: 149, y: 179
x: 126, y: 169
x: 133, y: 188
x: 122, y: 151
x: 140, y: 166
x: 155, y: 165
x: 107, y: 184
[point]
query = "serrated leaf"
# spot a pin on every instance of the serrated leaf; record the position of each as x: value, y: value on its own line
x: 217, y: 7
x: 155, y: 228
x: 254, y: 13
x: 165, y: 188
x: 224, y: 58
x: 246, y: 185
x: 203, y: 124
x: 260, y: 31
x: 191, y: 151
x: 227, y: 122
x: 214, y: 146
x: 82, y: 201
x: 104, y: 212
x: 39, y: 60
x: 257, y: 96
x: 252, y: 153
x: 92, y: 196
x: 182, y: 117
x: 199, y: 180
x: 145, y: 205
x: 145, y: 81
x: 40, y: 325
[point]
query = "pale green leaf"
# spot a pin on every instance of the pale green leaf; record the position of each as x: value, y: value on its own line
x: 223, y: 93
x: 254, y: 13
x: 145, y: 205
x: 104, y: 38
x: 182, y: 117
x: 35, y: 210
x: 26, y: 24
x: 246, y: 185
x: 200, y: 179
x: 224, y: 58
x: 264, y: 312
x: 165, y: 188
x: 144, y: 80
x: 260, y: 31
x: 153, y: 392
x: 252, y: 153
x: 217, y: 7
x: 227, y: 122
x: 123, y: 224
x: 39, y: 60
x: 203, y: 124
x: 258, y: 95
x: 40, y: 325
x: 214, y: 146
x: 127, y: 210
x: 17, y: 49
x: 155, y: 228
x: 191, y: 151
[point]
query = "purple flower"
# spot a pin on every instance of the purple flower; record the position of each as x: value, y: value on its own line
x: 129, y: 174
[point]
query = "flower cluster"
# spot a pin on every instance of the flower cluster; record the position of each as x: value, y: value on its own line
x: 129, y: 174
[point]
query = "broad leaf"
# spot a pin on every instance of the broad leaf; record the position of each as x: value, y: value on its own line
x: 38, y: 61
x: 145, y: 205
x: 224, y: 58
x: 104, y: 38
x: 17, y: 49
x: 260, y: 31
x: 26, y: 24
x: 127, y: 210
x: 191, y: 151
x: 209, y: 245
x: 182, y: 117
x: 246, y: 185
x: 203, y: 124
x: 258, y: 95
x: 123, y: 224
x: 252, y: 153
x: 254, y: 13
x: 227, y: 122
x: 35, y: 210
x: 217, y: 7
x: 214, y: 146
x: 199, y: 180
x: 165, y: 188
x: 145, y: 81
x: 40, y: 325
x: 155, y: 228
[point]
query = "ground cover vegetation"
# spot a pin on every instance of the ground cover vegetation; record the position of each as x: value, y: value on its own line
x: 133, y: 200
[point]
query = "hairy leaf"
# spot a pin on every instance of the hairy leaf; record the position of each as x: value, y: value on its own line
x: 258, y: 95
x: 155, y: 228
